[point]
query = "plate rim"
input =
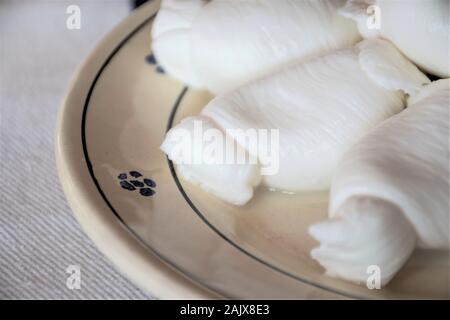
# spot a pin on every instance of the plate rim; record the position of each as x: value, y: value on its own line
x: 114, y: 240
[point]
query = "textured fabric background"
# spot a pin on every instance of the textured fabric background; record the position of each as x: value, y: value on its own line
x: 39, y: 236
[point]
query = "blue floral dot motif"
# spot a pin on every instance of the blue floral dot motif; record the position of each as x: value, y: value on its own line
x: 138, y: 182
x: 135, y: 174
x: 126, y: 185
x: 151, y: 59
x: 146, y: 192
x: 160, y: 70
x: 150, y: 182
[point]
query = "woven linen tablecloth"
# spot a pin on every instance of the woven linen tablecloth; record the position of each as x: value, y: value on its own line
x: 39, y: 236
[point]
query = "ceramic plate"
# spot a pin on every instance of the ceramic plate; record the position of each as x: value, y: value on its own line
x: 166, y: 235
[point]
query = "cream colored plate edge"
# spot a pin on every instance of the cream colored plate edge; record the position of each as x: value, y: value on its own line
x: 93, y: 215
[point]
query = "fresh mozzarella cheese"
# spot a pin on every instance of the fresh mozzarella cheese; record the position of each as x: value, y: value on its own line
x: 319, y: 109
x: 187, y: 145
x: 222, y: 44
x: 420, y: 29
x: 390, y: 192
